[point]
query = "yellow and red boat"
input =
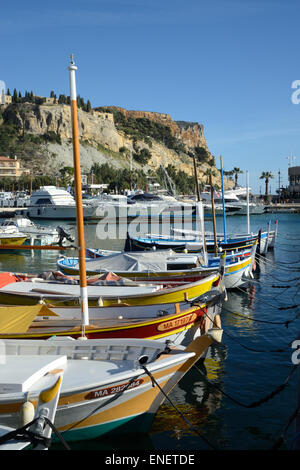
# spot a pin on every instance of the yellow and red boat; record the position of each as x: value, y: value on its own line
x: 26, y: 290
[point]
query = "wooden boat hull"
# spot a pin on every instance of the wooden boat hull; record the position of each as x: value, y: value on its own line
x: 13, y: 240
x: 13, y: 294
x: 192, y: 246
x: 180, y: 327
x: 234, y: 273
x: 119, y: 402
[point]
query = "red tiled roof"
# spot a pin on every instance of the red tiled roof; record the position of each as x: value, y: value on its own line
x: 5, y: 158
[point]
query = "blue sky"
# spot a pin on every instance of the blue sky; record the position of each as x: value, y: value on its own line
x: 228, y: 65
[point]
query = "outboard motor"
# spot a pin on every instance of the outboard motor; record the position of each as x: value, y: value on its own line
x: 63, y: 235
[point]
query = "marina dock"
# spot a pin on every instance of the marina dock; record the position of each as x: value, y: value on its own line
x: 283, y: 208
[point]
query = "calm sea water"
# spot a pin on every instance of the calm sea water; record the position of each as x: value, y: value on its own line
x: 243, y: 366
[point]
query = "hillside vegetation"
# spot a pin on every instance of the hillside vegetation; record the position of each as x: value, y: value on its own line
x: 112, y: 140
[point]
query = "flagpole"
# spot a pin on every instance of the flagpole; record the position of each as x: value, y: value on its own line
x: 223, y: 200
x: 78, y: 197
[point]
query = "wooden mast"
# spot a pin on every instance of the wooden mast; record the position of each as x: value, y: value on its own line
x: 198, y: 210
x: 223, y: 202
x: 213, y: 214
x: 78, y: 196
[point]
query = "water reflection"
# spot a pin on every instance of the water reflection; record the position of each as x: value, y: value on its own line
x: 194, y: 397
x: 239, y: 307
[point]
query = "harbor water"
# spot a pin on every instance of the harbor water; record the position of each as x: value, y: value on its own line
x: 260, y: 324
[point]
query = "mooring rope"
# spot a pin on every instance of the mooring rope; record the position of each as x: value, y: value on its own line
x: 285, y: 323
x: 248, y: 348
x: 257, y: 403
x: 24, y: 433
x: 281, y: 439
x: 288, y: 307
x: 178, y: 411
x: 275, y: 264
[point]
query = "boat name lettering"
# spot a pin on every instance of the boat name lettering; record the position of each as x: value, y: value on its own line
x: 169, y: 325
x: 103, y: 392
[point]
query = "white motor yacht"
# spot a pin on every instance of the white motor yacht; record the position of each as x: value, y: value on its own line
x: 50, y: 202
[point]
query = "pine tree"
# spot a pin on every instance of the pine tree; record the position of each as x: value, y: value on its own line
x: 15, y: 96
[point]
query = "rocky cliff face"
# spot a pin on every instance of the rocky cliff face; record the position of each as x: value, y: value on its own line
x: 94, y: 127
x: 191, y: 134
x: 100, y: 138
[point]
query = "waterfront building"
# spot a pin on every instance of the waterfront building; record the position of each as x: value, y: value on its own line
x: 11, y: 168
x: 294, y: 183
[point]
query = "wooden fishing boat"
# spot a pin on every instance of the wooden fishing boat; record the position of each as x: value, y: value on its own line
x: 189, y: 243
x: 34, y: 431
x: 8, y: 239
x: 101, y: 293
x: 178, y: 323
x: 163, y: 266
x: 108, y: 385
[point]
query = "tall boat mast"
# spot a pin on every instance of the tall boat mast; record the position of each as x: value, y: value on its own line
x: 78, y: 197
x: 248, y: 211
x: 200, y: 211
x: 213, y: 214
x: 223, y: 201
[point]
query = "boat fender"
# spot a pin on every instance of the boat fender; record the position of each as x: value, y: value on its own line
x: 100, y: 302
x: 27, y: 413
x: 215, y: 334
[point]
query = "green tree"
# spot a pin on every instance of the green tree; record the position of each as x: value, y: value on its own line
x: 15, y: 96
x: 201, y: 154
x: 236, y: 172
x: 208, y: 172
x: 67, y: 173
x: 266, y: 175
x: 229, y: 174
x: 143, y: 156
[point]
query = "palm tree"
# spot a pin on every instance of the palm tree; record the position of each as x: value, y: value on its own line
x: 208, y: 172
x: 266, y: 175
x: 229, y: 174
x: 236, y: 171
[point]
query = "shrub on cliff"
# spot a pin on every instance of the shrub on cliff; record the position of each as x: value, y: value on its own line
x: 142, y: 157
